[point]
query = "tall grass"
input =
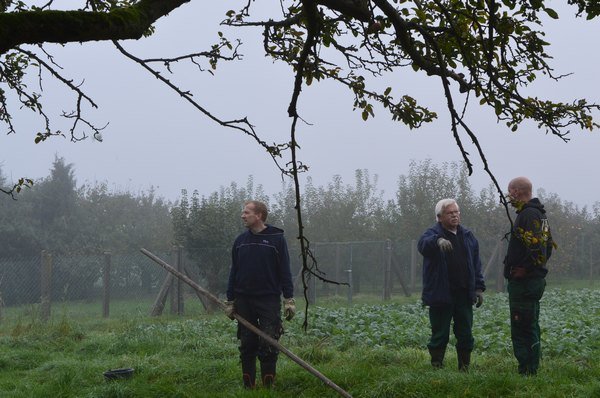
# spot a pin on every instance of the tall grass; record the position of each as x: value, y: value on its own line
x: 370, y: 350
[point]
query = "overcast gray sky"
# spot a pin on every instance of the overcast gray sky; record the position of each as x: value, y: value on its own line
x: 156, y: 139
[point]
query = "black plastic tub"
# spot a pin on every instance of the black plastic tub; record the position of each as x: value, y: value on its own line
x: 118, y: 374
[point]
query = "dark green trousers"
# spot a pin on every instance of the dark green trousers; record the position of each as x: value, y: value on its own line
x: 440, y: 318
x: 524, y: 300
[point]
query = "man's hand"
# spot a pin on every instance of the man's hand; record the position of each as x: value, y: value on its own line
x: 289, y: 308
x: 478, y: 298
x: 444, y: 244
x: 229, y: 309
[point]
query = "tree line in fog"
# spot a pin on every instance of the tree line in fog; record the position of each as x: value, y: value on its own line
x: 58, y: 215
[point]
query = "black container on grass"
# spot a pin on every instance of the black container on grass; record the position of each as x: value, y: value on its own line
x: 118, y: 374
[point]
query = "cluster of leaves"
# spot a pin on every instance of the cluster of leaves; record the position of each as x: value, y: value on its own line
x: 537, y: 241
x: 491, y: 50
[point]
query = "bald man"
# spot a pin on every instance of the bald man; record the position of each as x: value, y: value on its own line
x: 529, y: 249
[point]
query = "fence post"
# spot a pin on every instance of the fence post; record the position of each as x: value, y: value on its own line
x: 106, y: 285
x: 337, y: 266
x: 173, y: 288
x: 312, y: 284
x: 387, y: 277
x: 179, y: 281
x: 413, y: 264
x: 591, y: 267
x: 175, y: 292
x: 349, y: 271
x: 46, y: 285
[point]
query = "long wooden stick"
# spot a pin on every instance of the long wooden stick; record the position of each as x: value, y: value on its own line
x: 247, y: 324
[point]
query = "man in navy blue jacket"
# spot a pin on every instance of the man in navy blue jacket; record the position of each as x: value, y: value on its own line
x: 260, y: 273
x: 452, y: 283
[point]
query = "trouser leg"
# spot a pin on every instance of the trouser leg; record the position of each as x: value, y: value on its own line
x: 270, y: 323
x: 463, y: 328
x: 439, y: 319
x: 524, y: 296
x: 249, y: 343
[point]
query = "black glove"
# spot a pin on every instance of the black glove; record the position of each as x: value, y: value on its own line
x: 478, y: 300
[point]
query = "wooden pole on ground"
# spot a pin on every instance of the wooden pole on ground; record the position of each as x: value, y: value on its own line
x: 247, y: 324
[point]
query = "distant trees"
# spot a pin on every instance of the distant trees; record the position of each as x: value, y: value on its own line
x: 341, y: 212
x: 57, y: 215
x: 77, y: 225
x: 73, y: 222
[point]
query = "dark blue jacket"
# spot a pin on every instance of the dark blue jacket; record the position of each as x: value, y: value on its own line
x: 260, y: 265
x: 436, y: 286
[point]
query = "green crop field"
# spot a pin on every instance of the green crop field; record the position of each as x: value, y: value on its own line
x: 370, y: 350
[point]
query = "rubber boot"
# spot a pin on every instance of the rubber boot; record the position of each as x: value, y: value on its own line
x: 437, y: 357
x: 267, y: 372
x: 249, y: 373
x: 464, y: 360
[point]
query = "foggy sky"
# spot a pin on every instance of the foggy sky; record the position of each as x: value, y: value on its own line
x: 156, y: 139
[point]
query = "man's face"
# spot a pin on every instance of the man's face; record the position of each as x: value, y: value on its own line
x: 450, y: 217
x: 250, y: 217
x: 514, y: 197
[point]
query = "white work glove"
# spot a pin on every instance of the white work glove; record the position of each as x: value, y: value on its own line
x: 289, y: 308
x: 444, y: 244
x: 229, y: 309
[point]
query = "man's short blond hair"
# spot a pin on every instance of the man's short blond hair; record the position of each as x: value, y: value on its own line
x: 259, y: 207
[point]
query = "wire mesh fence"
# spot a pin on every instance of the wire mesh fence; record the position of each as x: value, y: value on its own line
x: 126, y: 284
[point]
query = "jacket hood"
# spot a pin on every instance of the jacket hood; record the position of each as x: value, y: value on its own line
x: 270, y: 230
x: 534, y: 203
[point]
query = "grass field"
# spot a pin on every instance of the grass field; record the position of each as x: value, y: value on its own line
x: 369, y: 349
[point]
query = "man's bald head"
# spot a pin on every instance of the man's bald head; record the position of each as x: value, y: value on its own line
x: 521, y: 189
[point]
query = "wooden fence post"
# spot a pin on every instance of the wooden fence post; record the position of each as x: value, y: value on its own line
x: 312, y: 283
x: 173, y: 294
x: 387, y: 277
x: 337, y: 267
x: 46, y: 285
x: 591, y: 267
x: 106, y: 285
x: 179, y: 281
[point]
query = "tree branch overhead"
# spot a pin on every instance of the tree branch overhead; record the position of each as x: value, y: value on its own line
x: 54, y: 26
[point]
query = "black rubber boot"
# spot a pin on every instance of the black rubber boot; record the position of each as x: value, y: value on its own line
x: 437, y: 357
x: 249, y: 374
x: 267, y: 372
x: 464, y: 360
